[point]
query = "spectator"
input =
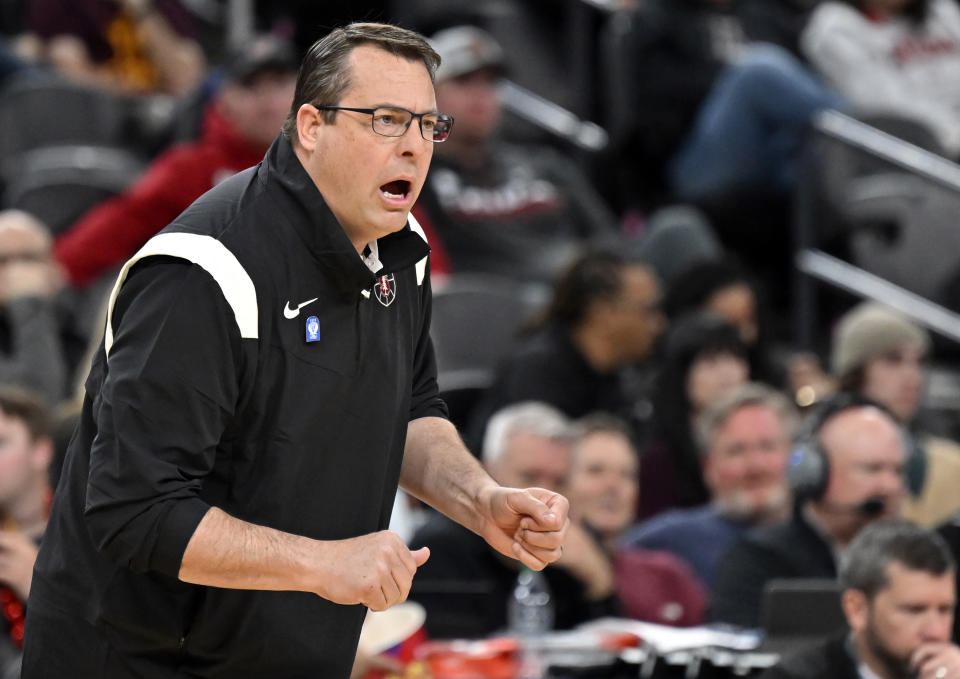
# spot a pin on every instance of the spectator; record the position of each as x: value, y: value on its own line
x: 521, y: 211
x: 879, y: 354
x: 240, y: 123
x: 465, y: 585
x: 604, y: 315
x: 25, y: 453
x: 602, y: 488
x: 846, y: 474
x: 744, y: 439
x: 716, y: 113
x: 703, y: 358
x: 898, y: 599
x: 31, y: 343
x: 137, y: 46
x: 899, y: 57
x: 721, y: 286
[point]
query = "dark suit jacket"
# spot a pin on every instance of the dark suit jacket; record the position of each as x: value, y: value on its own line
x: 829, y: 660
x: 791, y: 549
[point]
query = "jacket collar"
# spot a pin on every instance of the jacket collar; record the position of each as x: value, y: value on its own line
x: 308, y: 214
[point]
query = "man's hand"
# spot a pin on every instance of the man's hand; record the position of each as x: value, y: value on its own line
x: 17, y: 556
x: 529, y: 525
x: 375, y: 570
x: 936, y: 661
x: 587, y: 562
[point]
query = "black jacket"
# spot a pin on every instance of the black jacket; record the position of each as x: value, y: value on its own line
x: 213, y: 394
x: 830, y: 660
x: 791, y: 549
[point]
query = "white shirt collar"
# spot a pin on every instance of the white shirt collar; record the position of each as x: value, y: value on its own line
x: 372, y: 257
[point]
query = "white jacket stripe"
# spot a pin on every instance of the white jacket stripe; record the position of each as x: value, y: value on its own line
x: 215, y: 259
x: 422, y: 264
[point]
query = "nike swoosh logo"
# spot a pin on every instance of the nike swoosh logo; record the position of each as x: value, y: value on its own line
x: 293, y: 313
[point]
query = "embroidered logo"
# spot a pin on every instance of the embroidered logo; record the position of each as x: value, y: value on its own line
x: 313, y: 329
x: 293, y: 313
x: 386, y: 289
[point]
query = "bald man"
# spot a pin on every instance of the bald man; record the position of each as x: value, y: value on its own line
x: 31, y: 353
x: 864, y: 452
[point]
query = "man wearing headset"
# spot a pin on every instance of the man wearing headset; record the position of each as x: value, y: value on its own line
x: 846, y: 472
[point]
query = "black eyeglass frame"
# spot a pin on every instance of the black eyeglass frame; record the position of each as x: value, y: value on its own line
x: 441, y: 117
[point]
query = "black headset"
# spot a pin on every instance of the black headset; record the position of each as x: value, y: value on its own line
x: 808, y: 470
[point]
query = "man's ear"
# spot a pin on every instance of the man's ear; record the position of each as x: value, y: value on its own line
x: 855, y: 608
x: 309, y: 124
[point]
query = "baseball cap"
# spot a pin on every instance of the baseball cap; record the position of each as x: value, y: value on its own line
x: 465, y: 49
x: 264, y: 53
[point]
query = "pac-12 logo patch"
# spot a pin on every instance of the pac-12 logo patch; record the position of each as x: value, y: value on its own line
x: 386, y: 289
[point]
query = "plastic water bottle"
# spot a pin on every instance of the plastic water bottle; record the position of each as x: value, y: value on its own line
x: 530, y: 616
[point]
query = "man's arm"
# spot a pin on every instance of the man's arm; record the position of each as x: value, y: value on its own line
x: 526, y: 524
x: 375, y: 570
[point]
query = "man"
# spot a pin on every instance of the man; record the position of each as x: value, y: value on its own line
x: 604, y: 317
x: 744, y: 439
x: 519, y: 211
x: 898, y: 599
x: 25, y: 454
x: 222, y: 507
x: 847, y: 473
x: 465, y: 586
x: 239, y: 124
x: 32, y: 322
x: 880, y: 354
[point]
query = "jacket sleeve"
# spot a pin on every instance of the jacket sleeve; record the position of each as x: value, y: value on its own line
x: 425, y: 400
x: 168, y: 396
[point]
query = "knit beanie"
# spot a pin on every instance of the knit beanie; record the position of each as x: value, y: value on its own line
x: 870, y: 330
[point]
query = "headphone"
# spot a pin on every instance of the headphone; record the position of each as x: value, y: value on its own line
x: 808, y: 469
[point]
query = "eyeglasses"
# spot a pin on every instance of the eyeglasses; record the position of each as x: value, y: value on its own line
x: 394, y: 122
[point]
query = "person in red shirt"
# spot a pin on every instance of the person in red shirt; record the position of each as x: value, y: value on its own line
x: 242, y: 119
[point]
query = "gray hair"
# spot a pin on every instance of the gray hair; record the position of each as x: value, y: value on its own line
x: 601, y: 423
x: 715, y: 417
x: 527, y: 417
x: 325, y: 71
x: 865, y: 565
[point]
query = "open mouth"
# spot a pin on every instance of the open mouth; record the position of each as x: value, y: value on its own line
x: 396, y: 190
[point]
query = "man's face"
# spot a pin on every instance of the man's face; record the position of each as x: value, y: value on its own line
x: 370, y: 181
x: 896, y: 379
x: 474, y: 102
x: 636, y: 319
x: 866, y: 461
x: 914, y: 609
x: 602, y: 485
x: 531, y: 461
x: 745, y: 465
x: 257, y: 109
x: 21, y: 460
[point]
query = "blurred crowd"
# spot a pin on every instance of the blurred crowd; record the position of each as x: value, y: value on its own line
x: 655, y: 378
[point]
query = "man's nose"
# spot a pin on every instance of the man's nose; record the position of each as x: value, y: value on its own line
x: 411, y: 142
